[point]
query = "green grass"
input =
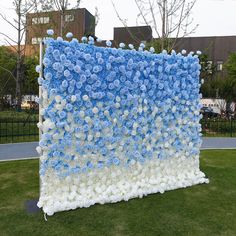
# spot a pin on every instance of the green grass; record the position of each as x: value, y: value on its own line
x: 208, y: 209
x: 13, y: 114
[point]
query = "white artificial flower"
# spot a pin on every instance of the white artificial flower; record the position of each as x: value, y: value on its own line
x: 95, y: 110
x: 85, y: 97
x: 58, y: 98
x: 73, y: 98
x: 131, y: 46
x: 121, y: 45
x: 199, y: 53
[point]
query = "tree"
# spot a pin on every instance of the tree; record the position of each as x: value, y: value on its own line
x: 7, y: 77
x: 230, y: 66
x: 21, y: 7
x: 228, y: 89
x: 30, y: 84
x: 169, y: 19
x: 208, y: 72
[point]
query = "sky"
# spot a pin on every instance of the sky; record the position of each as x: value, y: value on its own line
x: 214, y: 17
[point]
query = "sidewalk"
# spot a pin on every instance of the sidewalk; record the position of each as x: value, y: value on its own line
x: 21, y: 151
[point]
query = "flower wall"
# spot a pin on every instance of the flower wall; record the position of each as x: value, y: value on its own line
x: 118, y: 124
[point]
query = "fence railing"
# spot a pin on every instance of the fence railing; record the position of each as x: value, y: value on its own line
x: 18, y: 129
x: 218, y: 127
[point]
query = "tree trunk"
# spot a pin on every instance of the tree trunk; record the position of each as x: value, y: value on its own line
x: 163, y: 25
x: 18, y: 62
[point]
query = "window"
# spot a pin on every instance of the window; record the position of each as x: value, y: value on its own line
x: 40, y: 20
x: 219, y: 65
x: 69, y: 18
x: 36, y: 40
x: 209, y: 67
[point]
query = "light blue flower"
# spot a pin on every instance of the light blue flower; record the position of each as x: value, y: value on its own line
x: 50, y: 32
x: 38, y: 68
x: 69, y: 35
x: 66, y: 73
x: 84, y: 39
x: 108, y: 43
x: 121, y: 45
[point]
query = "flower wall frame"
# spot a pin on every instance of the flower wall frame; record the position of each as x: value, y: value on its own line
x: 118, y: 124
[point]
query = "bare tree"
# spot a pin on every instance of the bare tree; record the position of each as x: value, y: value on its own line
x: 169, y: 19
x: 21, y: 7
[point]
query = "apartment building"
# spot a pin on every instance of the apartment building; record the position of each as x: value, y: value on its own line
x: 78, y: 21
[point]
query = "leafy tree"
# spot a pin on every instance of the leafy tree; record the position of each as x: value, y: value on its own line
x: 230, y: 66
x: 8, y: 63
x: 228, y: 90
x: 208, y: 71
x: 29, y: 83
x: 7, y: 74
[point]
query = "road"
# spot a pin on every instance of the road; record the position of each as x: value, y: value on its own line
x: 21, y: 151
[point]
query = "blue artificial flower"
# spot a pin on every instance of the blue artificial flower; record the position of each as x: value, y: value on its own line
x: 129, y: 92
x: 84, y: 39
x: 108, y: 43
x: 38, y: 68
x: 69, y: 107
x: 62, y: 114
x: 69, y: 35
x: 50, y: 32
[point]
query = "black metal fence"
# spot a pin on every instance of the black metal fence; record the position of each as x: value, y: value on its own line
x: 16, y: 129
x: 24, y: 129
x: 217, y: 127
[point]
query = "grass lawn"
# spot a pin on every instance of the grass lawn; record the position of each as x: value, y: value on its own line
x: 24, y: 114
x: 198, y: 210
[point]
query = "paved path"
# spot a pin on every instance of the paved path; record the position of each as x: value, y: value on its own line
x: 14, y: 151
x: 219, y: 143
x: 21, y: 151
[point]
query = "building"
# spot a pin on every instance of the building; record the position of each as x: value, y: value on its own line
x: 78, y: 21
x: 134, y: 35
x: 217, y: 48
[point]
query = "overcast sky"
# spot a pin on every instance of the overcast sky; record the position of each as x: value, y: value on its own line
x: 215, y: 17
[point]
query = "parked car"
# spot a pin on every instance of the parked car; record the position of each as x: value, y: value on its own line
x: 29, y: 105
x: 208, y: 112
